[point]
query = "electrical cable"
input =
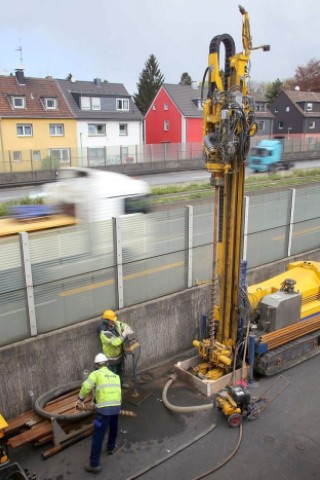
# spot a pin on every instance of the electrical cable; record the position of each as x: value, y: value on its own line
x: 172, y: 454
x: 232, y: 454
x: 179, y: 410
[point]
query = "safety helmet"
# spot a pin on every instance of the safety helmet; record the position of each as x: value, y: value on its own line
x: 109, y: 315
x: 100, y: 358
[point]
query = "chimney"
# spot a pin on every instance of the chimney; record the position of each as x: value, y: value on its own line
x: 97, y: 82
x: 194, y: 84
x: 20, y: 76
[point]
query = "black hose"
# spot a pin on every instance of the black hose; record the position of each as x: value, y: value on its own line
x: 178, y: 450
x: 54, y: 393
x: 232, y: 454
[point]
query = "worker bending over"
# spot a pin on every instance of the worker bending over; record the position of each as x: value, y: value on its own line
x: 112, y: 335
x: 107, y: 392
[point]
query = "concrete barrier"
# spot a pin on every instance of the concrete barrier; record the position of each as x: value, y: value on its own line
x: 165, y: 327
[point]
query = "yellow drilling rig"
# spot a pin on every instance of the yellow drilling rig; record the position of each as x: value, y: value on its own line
x: 276, y: 324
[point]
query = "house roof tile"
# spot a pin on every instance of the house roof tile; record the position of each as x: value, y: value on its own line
x: 298, y: 97
x: 34, y: 90
x: 100, y: 89
x: 183, y: 96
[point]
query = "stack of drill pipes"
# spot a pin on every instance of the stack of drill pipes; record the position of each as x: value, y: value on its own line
x: 287, y: 334
x: 310, y: 298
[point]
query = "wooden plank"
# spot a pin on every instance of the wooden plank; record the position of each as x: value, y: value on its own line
x: 9, y: 226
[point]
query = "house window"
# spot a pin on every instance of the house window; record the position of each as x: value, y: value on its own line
x: 122, y: 104
x: 24, y: 130
x: 165, y: 106
x: 50, y: 103
x: 56, y: 129
x: 309, y: 107
x: 17, y: 156
x: 96, y: 156
x: 276, y: 110
x: 95, y: 103
x: 36, y: 155
x: 287, y: 109
x: 85, y: 103
x: 280, y: 125
x: 123, y: 129
x: 61, y: 154
x: 90, y: 103
x: 261, y: 125
x: 166, y: 125
x: 154, y: 107
x: 311, y: 124
x: 18, y: 102
x: 97, y: 129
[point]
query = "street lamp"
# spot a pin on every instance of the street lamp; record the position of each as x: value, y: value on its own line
x: 289, y: 130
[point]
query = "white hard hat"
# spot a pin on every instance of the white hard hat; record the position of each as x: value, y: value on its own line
x: 100, y: 358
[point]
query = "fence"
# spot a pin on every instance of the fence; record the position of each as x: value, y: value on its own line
x: 52, y: 159
x: 55, y: 278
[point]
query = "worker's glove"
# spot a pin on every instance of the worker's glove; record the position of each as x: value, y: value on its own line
x: 79, y: 404
x: 128, y: 331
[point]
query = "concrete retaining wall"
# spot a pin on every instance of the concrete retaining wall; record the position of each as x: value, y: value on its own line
x: 165, y: 327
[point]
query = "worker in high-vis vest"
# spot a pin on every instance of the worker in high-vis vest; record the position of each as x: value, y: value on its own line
x: 112, y: 334
x: 107, y: 397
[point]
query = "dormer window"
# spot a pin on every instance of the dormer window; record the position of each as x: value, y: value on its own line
x: 90, y: 103
x: 122, y: 104
x: 50, y: 103
x: 19, y: 102
x: 309, y: 107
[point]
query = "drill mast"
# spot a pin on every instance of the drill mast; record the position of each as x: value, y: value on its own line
x: 228, y: 124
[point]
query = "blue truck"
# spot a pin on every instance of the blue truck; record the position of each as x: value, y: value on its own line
x: 266, y: 156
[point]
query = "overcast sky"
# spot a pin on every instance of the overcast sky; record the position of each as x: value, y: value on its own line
x: 112, y: 39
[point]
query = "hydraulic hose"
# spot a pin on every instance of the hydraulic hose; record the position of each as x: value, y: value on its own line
x: 232, y: 454
x: 178, y: 409
x: 54, y: 393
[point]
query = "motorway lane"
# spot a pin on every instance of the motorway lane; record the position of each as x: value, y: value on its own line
x: 167, y: 178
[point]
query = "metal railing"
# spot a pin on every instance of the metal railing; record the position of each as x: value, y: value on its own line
x: 12, y: 161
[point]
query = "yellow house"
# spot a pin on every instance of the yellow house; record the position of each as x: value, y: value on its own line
x: 37, y: 128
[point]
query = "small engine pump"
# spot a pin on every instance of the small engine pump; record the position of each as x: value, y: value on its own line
x: 235, y: 403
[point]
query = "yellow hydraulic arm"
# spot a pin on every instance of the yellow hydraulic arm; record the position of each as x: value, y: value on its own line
x: 228, y: 114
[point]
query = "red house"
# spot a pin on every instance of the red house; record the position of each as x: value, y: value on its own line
x: 175, y: 115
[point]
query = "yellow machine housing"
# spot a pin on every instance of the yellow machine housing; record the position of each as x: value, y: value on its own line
x: 3, y: 447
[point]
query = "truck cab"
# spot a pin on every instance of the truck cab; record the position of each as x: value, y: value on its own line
x: 267, y: 157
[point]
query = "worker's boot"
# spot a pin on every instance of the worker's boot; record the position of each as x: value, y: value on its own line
x: 89, y: 468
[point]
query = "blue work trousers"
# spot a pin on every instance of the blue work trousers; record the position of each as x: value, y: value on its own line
x: 100, y: 427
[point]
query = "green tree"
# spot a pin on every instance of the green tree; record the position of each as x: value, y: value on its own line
x: 185, y: 79
x: 150, y: 81
x: 273, y: 89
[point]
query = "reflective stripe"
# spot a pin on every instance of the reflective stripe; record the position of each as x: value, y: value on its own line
x: 88, y: 380
x: 107, y: 385
x: 108, y: 404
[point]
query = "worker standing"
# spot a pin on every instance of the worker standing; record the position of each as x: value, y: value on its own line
x: 107, y: 391
x: 112, y: 334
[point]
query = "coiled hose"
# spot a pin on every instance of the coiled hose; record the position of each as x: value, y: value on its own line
x: 54, y: 393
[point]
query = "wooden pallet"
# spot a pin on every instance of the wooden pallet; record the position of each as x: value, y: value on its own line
x: 30, y: 427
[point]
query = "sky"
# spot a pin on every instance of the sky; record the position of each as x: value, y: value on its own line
x: 112, y: 40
